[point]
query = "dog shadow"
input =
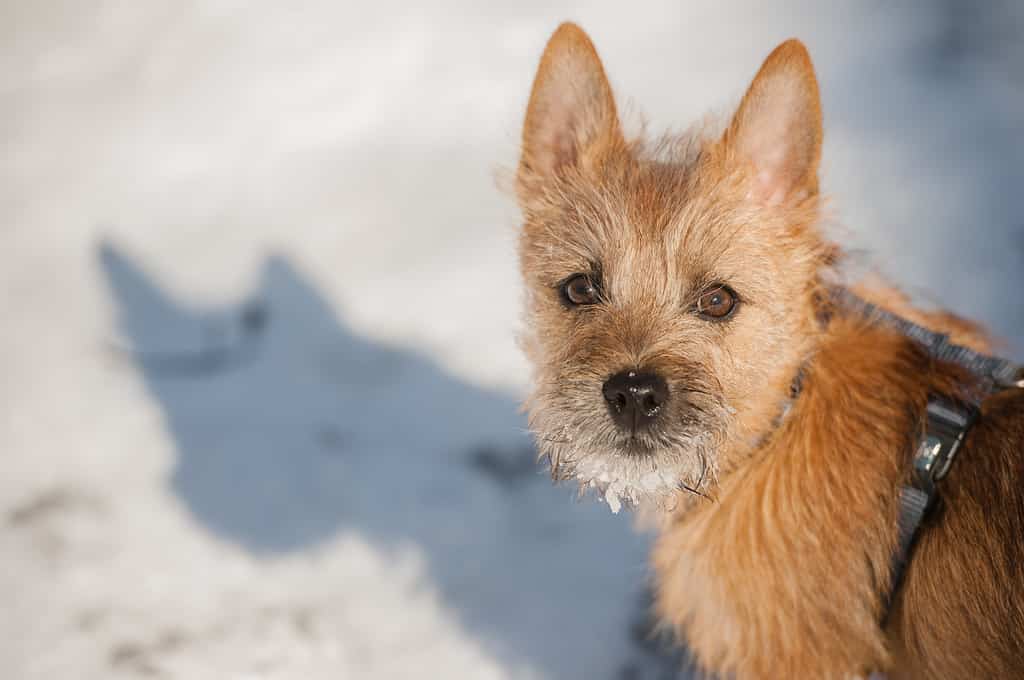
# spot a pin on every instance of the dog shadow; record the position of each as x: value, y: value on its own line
x: 291, y: 429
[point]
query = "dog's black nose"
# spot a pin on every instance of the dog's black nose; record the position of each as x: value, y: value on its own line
x: 635, y: 398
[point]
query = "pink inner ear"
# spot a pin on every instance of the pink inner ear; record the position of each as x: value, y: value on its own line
x: 768, y: 144
x: 571, y: 107
x: 558, y: 143
x: 769, y: 158
x: 572, y: 116
x: 776, y: 134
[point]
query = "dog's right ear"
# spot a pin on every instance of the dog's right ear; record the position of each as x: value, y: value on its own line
x: 571, y: 114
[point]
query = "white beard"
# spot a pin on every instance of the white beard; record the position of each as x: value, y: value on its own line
x: 619, y: 479
x: 684, y: 464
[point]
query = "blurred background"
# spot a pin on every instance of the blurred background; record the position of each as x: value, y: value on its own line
x: 259, y: 382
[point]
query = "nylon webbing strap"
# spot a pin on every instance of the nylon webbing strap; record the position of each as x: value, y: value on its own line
x: 999, y: 372
x: 914, y: 504
x: 945, y: 427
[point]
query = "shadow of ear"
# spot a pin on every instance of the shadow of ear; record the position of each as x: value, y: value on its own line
x: 145, y: 314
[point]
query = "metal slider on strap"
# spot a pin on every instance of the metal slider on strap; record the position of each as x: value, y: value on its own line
x: 946, y: 426
x: 1018, y: 379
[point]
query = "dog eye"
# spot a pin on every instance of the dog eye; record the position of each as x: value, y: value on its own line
x: 718, y: 302
x: 579, y: 290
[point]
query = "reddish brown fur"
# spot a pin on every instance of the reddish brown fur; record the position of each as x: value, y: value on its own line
x: 784, y: 573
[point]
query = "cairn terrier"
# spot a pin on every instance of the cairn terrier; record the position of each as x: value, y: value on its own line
x: 687, y: 357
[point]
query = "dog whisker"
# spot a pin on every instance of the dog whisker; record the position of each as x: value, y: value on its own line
x: 554, y: 459
x: 684, y: 487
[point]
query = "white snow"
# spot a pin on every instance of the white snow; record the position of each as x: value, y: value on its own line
x: 347, y: 497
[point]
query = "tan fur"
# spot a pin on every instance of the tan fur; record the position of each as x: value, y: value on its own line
x: 776, y: 561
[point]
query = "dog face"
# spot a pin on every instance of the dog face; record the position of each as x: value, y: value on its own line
x: 671, y: 287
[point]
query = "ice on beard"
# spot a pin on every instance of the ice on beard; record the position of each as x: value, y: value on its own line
x: 618, y: 484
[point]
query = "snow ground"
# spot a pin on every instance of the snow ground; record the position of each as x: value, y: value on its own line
x: 351, y: 494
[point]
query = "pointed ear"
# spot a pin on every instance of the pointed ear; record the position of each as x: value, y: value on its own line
x: 571, y: 109
x: 776, y: 132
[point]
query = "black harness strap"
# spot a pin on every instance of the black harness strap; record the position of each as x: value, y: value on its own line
x: 945, y: 427
x: 914, y: 505
x: 996, y: 372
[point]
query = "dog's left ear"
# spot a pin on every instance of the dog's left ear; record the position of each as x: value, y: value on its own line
x: 776, y: 132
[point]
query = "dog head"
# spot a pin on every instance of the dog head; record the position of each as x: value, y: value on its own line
x: 670, y: 286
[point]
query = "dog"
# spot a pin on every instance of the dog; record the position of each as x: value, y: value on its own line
x: 687, y: 357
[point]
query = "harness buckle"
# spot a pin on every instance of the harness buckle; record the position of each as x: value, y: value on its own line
x: 946, y: 425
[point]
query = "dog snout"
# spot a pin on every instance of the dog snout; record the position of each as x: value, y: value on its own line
x: 635, y: 398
